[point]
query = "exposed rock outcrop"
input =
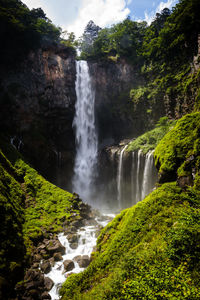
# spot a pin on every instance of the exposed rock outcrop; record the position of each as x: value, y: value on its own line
x: 37, y: 108
x: 114, y: 110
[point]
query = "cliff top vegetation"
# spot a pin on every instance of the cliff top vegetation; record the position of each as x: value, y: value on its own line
x: 23, y: 30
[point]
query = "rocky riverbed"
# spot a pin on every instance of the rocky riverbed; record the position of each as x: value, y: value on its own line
x: 59, y: 255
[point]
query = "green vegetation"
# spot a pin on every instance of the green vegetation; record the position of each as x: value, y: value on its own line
x: 123, y: 39
x: 150, y: 251
x: 149, y: 140
x: 154, y: 51
x: 23, y: 30
x: 178, y: 154
x: 12, y: 251
x: 31, y: 208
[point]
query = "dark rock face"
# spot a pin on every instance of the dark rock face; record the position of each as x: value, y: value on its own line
x: 34, y: 286
x: 115, y: 115
x: 37, y: 108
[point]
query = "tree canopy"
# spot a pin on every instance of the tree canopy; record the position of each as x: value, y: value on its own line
x: 22, y: 29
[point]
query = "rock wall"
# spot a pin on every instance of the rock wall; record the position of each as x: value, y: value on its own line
x: 115, y: 115
x: 37, y: 108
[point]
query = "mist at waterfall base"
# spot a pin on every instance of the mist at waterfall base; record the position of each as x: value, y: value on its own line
x: 126, y: 178
x: 108, y: 182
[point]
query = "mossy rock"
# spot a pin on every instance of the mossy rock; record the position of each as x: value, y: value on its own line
x: 178, y: 153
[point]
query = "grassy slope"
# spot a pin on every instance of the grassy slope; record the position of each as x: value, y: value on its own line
x: 150, y: 251
x: 179, y: 151
x: 31, y: 208
x: 149, y: 140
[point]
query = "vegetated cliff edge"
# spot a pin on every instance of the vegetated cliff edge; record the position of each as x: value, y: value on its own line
x: 151, y: 250
x: 37, y: 107
x: 33, y: 211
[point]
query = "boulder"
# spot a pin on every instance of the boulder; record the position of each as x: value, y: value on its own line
x: 55, y: 246
x: 83, y: 261
x: 74, y: 245
x: 57, y: 256
x: 68, y: 265
x: 35, y: 265
x: 46, y: 267
x: 72, y: 238
x: 48, y: 283
x: 45, y: 296
x: 185, y: 181
x: 37, y: 258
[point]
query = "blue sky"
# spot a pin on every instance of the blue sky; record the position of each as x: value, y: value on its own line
x: 73, y: 15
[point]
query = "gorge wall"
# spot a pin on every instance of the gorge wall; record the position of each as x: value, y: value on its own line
x: 115, y: 115
x: 37, y: 109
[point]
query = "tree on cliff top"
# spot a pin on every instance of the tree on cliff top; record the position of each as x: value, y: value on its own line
x: 22, y: 30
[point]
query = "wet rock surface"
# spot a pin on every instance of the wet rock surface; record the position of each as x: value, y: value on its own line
x: 68, y: 265
x: 48, y: 252
x: 83, y: 261
x: 40, y: 111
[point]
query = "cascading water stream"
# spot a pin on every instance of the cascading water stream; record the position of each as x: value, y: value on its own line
x: 138, y: 180
x: 120, y: 177
x: 146, y: 175
x: 86, y: 135
x: 86, y: 242
x: 136, y: 177
x: 146, y: 185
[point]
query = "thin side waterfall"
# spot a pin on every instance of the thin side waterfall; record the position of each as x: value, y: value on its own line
x: 145, y: 175
x: 147, y: 179
x: 86, y: 135
x: 138, y: 179
x: 133, y: 186
x: 120, y: 177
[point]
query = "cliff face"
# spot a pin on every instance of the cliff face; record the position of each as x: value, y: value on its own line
x: 114, y: 111
x: 37, y: 108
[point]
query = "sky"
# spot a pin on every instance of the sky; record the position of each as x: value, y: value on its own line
x: 73, y: 15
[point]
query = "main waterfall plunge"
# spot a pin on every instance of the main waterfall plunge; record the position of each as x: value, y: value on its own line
x: 86, y: 136
x: 120, y: 181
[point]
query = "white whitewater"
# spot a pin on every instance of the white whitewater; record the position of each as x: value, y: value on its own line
x: 146, y: 185
x: 138, y: 180
x: 120, y: 177
x: 86, y: 242
x: 86, y: 135
x: 135, y: 179
x: 132, y: 176
x: 145, y: 174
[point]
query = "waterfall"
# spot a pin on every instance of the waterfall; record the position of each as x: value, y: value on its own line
x: 133, y: 186
x: 85, y: 132
x: 146, y: 185
x: 120, y: 177
x: 138, y: 179
x: 145, y: 175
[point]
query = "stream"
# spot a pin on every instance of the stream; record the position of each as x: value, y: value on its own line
x: 87, y: 237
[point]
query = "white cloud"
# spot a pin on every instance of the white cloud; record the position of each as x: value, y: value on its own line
x: 73, y: 15
x: 150, y: 16
x: 102, y: 12
x: 37, y: 3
